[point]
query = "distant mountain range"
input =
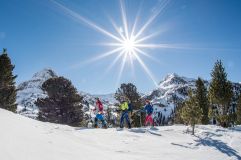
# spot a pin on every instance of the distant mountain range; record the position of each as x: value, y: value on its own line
x: 29, y: 91
x: 172, y: 89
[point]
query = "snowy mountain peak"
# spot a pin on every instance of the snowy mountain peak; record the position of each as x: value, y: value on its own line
x: 170, y: 76
x: 171, y: 79
x: 174, y: 79
x: 29, y: 91
x: 44, y: 74
x: 173, y: 88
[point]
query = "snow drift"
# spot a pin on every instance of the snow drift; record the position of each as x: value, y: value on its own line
x: 23, y: 138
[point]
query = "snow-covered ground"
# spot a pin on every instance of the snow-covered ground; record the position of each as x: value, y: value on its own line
x: 23, y: 138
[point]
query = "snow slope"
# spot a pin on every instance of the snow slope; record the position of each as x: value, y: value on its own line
x: 23, y: 138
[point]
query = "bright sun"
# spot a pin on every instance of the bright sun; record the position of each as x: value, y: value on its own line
x: 129, y: 45
x: 128, y: 42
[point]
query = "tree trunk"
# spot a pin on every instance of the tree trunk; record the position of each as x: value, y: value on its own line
x: 140, y: 120
x: 193, y: 127
x: 225, y: 109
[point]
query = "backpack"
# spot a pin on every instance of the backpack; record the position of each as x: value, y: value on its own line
x: 130, y: 107
x: 151, y: 110
x: 99, y: 105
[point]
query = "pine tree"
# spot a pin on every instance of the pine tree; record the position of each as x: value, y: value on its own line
x: 129, y: 92
x: 63, y: 104
x: 191, y: 112
x: 238, y: 111
x: 7, y: 83
x: 177, y: 114
x: 202, y: 100
x: 220, y: 92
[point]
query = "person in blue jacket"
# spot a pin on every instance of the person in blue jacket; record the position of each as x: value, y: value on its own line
x: 149, y: 110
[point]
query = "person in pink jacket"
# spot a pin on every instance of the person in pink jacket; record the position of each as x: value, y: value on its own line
x: 99, y: 113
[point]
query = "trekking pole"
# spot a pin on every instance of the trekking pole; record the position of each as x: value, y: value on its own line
x: 140, y: 120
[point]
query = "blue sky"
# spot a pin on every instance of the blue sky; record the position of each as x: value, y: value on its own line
x: 38, y: 34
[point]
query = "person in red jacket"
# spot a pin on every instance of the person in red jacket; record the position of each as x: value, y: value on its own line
x: 99, y: 105
x: 99, y: 113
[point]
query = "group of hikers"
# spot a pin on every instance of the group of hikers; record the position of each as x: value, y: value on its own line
x: 125, y: 107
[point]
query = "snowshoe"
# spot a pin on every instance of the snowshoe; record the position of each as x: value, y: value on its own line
x: 96, y: 126
x: 119, y: 129
x: 154, y: 128
x: 153, y: 132
x: 105, y: 127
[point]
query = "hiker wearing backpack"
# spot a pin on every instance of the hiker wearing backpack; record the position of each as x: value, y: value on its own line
x: 149, y: 110
x: 99, y: 113
x: 124, y: 107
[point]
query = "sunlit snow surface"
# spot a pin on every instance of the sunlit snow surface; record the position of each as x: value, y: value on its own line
x: 23, y: 138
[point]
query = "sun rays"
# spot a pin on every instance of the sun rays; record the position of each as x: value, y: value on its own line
x: 128, y: 42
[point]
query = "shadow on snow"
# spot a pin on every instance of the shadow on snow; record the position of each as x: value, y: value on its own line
x: 213, y: 143
x: 219, y: 145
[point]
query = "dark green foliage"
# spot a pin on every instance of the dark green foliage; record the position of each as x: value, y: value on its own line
x: 202, y: 100
x: 7, y: 83
x: 220, y: 92
x: 138, y: 119
x: 191, y: 112
x: 238, y: 112
x: 129, y: 93
x: 63, y: 104
x: 177, y: 114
